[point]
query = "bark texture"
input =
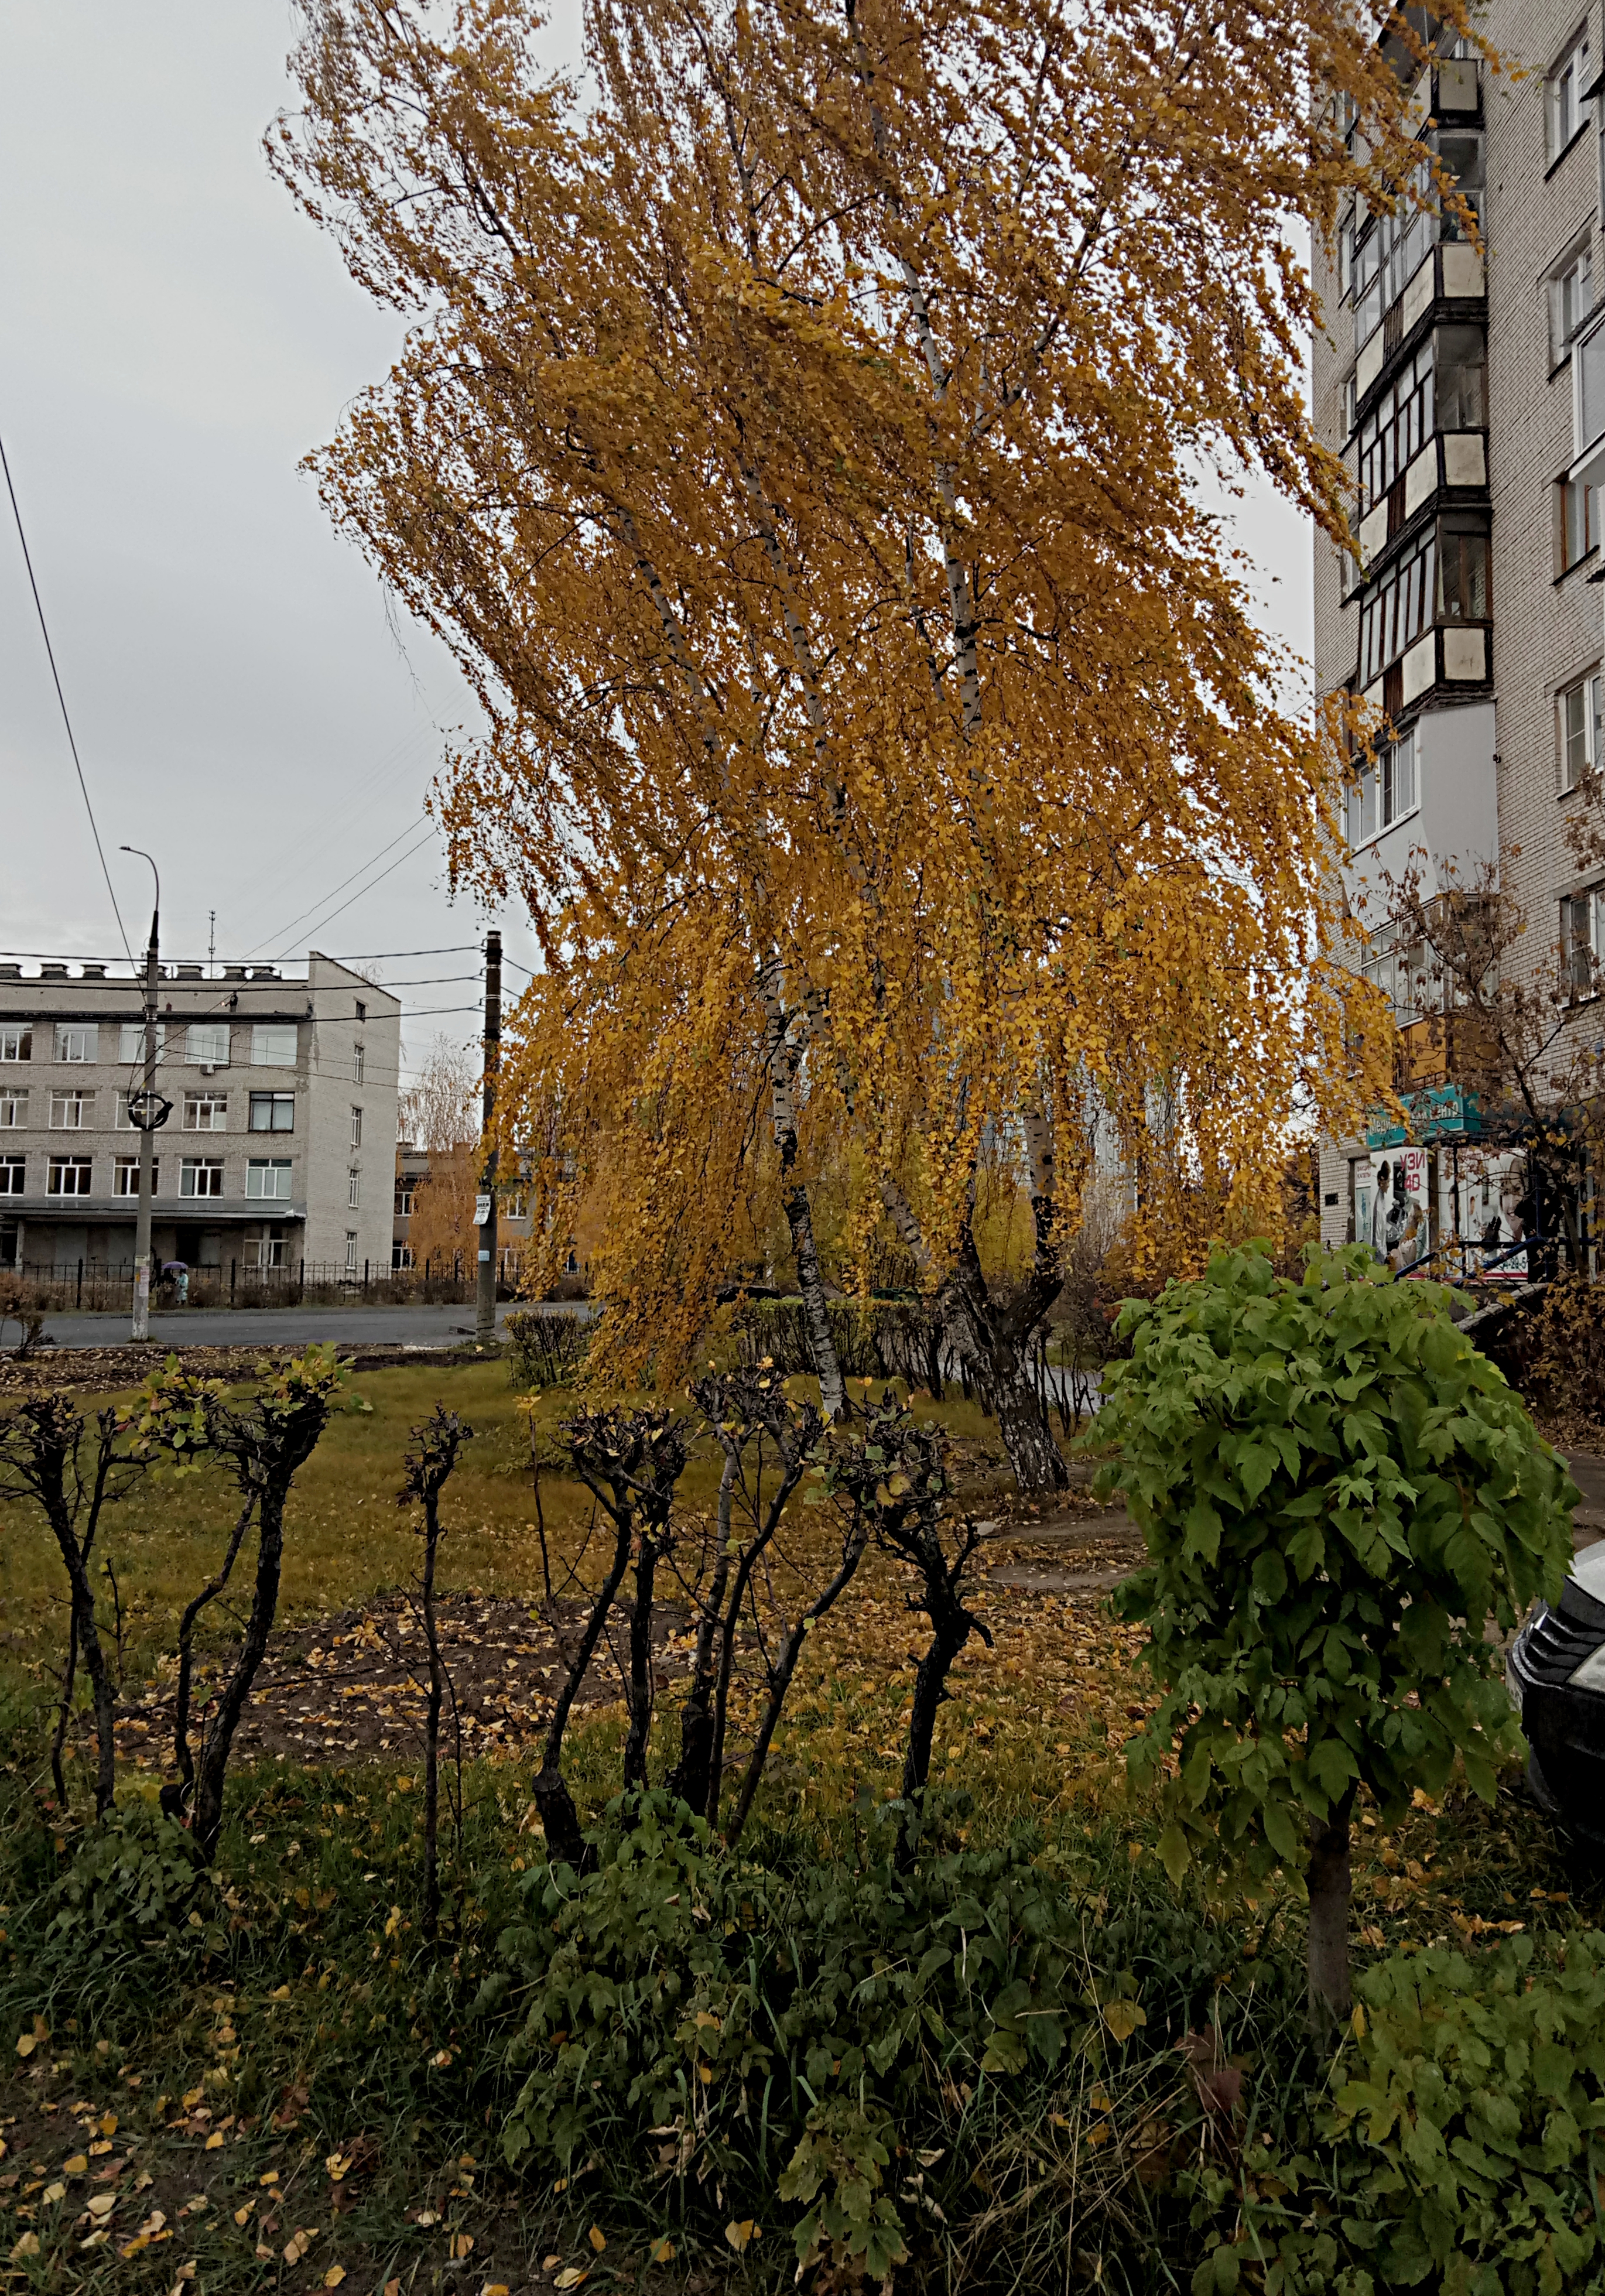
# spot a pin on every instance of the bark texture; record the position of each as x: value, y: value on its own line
x: 1330, y: 1891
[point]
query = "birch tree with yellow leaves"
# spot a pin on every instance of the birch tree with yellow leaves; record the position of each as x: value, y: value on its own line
x: 798, y: 442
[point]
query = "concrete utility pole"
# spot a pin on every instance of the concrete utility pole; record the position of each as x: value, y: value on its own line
x: 148, y: 1111
x: 485, y: 1208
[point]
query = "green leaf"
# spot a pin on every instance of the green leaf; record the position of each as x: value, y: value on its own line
x: 1280, y: 1831
x: 1173, y: 1853
x: 1270, y: 1575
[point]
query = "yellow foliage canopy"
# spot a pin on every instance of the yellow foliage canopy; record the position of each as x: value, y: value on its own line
x: 799, y: 446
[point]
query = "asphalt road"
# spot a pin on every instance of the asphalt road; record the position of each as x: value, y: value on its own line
x: 276, y: 1327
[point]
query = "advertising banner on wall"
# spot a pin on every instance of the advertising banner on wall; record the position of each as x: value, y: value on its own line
x: 1491, y: 1216
x: 1396, y: 1215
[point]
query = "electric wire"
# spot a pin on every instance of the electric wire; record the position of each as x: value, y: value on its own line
x: 61, y: 698
x: 363, y: 890
x: 360, y: 870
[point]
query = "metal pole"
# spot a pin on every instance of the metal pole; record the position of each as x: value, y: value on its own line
x: 141, y: 1325
x: 485, y: 1319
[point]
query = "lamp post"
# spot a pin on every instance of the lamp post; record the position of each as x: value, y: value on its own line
x: 485, y: 1208
x: 147, y: 1112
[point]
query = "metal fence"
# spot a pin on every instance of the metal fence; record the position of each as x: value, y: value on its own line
x: 103, y: 1286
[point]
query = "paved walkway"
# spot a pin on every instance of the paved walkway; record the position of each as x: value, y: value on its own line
x: 276, y: 1327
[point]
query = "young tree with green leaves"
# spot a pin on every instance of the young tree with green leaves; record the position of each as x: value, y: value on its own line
x: 1337, y: 1491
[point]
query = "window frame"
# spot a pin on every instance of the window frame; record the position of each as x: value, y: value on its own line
x: 193, y: 1168
x: 272, y: 1101
x: 75, y: 1097
x: 1383, y: 777
x: 13, y: 1168
x: 271, y: 1166
x: 126, y: 1167
x: 1563, y: 331
x: 17, y: 1103
x: 1580, y: 969
x: 355, y: 1126
x: 58, y: 1167
x: 352, y: 1238
x: 263, y: 1035
x: 135, y: 1031
x: 354, y: 1188
x: 67, y: 1032
x: 1580, y: 750
x: 358, y: 1058
x: 1567, y: 79
x: 194, y: 1101
x: 23, y: 1037
x: 213, y: 1030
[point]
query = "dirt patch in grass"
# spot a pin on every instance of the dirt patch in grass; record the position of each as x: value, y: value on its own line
x: 354, y: 1686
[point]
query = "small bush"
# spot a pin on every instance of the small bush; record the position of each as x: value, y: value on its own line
x: 1461, y: 2148
x: 545, y: 1350
x: 136, y: 1889
x: 834, y: 2050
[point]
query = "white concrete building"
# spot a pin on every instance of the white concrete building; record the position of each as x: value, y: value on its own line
x: 280, y: 1149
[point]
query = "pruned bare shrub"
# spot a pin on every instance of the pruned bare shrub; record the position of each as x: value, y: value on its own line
x: 428, y: 1467
x: 72, y: 1469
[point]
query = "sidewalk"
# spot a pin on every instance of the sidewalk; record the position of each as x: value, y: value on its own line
x: 276, y: 1327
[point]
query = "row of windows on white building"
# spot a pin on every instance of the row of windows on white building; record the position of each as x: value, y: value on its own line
x: 207, y: 1043
x: 266, y: 1178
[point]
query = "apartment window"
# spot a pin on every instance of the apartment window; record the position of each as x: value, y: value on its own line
x: 201, y: 1176
x: 273, y: 1111
x: 1570, y: 301
x: 77, y: 1043
x: 1460, y: 362
x: 68, y: 1176
x: 131, y: 1041
x: 1567, y: 107
x: 271, y: 1046
x: 206, y: 1111
x: 268, y: 1176
x: 1579, y: 710
x: 362, y: 1010
x: 1388, y: 254
x: 1384, y: 791
x: 13, y: 1176
x: 269, y: 1252
x: 1582, y: 938
x: 71, y: 1110
x: 1576, y: 523
x: 14, y: 1111
x: 1397, y: 967
x: 354, y: 1188
x: 357, y: 1063
x: 1463, y: 575
x: 1396, y: 429
x: 1398, y: 608
x: 16, y: 1043
x: 206, y: 1044
x: 125, y: 1180
x: 401, y: 1256
x: 356, y: 1127
x: 405, y: 1187
x: 350, y: 1251
x: 1351, y: 407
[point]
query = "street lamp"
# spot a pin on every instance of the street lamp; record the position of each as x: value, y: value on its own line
x: 147, y: 1112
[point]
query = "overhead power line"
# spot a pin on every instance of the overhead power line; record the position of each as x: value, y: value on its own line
x: 61, y: 698
x: 412, y: 851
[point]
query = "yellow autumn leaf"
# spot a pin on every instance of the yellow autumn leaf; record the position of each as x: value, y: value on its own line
x: 597, y: 2238
x: 334, y: 2276
x: 570, y: 2276
x: 741, y: 2235
x: 1124, y: 2017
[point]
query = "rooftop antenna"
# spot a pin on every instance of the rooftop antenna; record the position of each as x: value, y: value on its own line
x: 211, y: 944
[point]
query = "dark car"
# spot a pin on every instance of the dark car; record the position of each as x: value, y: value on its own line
x: 1556, y: 1674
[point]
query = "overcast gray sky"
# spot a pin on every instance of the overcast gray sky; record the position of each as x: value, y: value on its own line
x: 175, y: 337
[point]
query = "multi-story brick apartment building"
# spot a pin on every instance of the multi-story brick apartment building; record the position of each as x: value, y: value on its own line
x: 280, y: 1144
x: 1465, y: 389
